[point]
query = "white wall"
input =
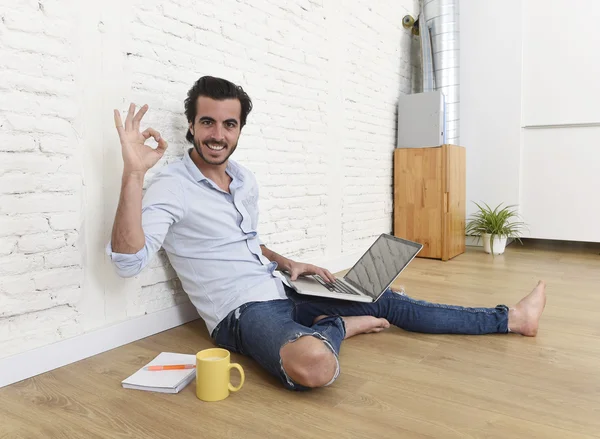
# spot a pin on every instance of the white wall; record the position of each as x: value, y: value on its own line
x: 41, y: 267
x: 526, y: 65
x: 324, y: 80
x: 560, y: 166
x: 560, y: 62
x: 490, y: 99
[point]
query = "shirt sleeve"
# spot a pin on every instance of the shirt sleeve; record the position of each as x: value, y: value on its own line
x: 162, y: 206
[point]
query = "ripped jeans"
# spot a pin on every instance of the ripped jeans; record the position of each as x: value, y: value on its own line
x: 260, y: 329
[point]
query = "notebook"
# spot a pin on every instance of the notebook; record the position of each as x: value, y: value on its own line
x: 164, y: 381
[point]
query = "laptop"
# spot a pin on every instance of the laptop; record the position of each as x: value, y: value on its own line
x: 369, y: 278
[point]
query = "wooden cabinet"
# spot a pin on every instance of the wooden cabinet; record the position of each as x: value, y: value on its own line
x: 430, y: 199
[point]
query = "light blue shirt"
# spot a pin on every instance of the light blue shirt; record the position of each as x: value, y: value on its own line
x: 210, y: 237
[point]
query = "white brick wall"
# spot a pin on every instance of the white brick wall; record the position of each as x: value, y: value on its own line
x: 40, y: 187
x: 324, y: 78
x: 378, y: 71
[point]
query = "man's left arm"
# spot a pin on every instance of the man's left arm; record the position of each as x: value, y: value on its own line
x: 283, y: 263
x: 294, y: 268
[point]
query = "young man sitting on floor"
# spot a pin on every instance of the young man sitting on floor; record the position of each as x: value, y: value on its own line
x: 204, y: 211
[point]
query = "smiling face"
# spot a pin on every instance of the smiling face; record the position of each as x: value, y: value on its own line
x: 216, y: 129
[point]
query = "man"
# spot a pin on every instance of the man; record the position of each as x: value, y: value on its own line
x: 204, y: 211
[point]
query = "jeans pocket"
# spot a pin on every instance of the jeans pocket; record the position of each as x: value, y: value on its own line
x: 225, y: 333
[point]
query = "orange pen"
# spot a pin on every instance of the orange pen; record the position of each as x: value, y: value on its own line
x: 170, y: 367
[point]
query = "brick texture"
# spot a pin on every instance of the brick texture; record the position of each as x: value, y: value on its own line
x: 307, y: 66
x: 40, y: 185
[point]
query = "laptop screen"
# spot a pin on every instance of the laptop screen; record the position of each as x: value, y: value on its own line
x: 380, y: 265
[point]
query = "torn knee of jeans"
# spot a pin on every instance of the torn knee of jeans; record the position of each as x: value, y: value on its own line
x: 291, y: 384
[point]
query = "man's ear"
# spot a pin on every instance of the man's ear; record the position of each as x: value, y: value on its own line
x: 191, y: 128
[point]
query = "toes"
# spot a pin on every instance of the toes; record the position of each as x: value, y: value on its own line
x: 382, y: 326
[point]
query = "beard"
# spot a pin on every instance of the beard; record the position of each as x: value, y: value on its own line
x: 212, y: 161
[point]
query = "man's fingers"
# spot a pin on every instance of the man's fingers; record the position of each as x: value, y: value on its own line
x: 321, y: 273
x: 151, y: 132
x: 129, y: 118
x: 118, y: 121
x: 294, y: 273
x: 162, y: 145
x: 138, y: 117
x: 330, y: 276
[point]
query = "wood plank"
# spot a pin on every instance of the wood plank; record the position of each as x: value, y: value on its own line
x: 455, y: 192
x: 438, y: 414
x: 418, y: 198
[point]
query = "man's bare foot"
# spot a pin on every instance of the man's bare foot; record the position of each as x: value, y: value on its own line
x: 399, y: 289
x: 524, y: 318
x: 361, y: 324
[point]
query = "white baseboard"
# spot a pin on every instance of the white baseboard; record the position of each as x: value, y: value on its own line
x: 36, y: 361
x: 46, y: 358
x: 474, y: 241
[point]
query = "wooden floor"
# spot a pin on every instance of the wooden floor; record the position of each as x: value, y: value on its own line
x: 393, y: 385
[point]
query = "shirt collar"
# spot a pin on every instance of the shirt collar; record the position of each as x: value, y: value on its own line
x: 233, y: 169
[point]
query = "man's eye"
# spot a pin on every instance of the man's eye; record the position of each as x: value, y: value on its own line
x: 205, y: 122
x: 230, y: 125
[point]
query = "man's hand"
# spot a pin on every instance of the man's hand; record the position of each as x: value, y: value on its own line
x: 137, y: 156
x: 299, y: 269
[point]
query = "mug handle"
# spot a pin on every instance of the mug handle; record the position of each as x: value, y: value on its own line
x: 241, y: 371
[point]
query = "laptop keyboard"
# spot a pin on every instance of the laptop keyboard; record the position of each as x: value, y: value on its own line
x: 337, y: 286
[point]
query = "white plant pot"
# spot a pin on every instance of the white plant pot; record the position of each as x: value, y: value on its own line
x: 499, y: 243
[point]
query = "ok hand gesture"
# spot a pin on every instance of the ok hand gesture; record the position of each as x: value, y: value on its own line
x: 137, y: 156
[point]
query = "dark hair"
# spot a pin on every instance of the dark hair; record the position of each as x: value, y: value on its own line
x: 218, y: 89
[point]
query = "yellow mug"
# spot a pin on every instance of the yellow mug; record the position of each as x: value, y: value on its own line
x: 213, y: 374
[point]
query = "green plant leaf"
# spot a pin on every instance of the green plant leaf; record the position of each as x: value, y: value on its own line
x: 498, y: 221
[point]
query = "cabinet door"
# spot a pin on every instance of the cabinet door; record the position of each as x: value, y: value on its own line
x: 418, y: 198
x: 454, y: 171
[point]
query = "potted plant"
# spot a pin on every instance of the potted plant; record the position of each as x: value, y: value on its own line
x: 495, y: 226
